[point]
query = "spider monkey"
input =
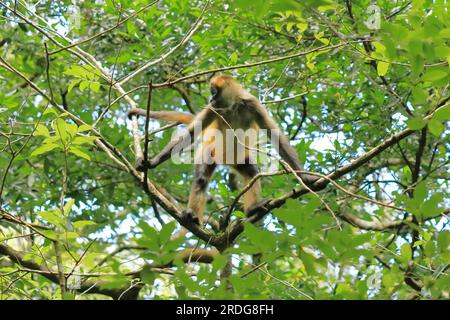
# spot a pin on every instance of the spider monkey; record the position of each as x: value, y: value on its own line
x: 230, y: 107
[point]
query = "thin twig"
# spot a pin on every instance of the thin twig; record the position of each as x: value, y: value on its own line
x: 183, y: 41
x: 119, y: 23
x: 147, y: 122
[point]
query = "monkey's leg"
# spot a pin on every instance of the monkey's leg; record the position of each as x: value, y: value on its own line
x: 252, y: 198
x: 197, y: 197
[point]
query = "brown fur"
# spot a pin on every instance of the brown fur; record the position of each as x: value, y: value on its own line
x: 230, y: 106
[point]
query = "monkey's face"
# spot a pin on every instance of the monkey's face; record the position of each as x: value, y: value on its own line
x: 223, y: 92
x: 214, y: 93
x: 216, y: 85
x: 220, y: 97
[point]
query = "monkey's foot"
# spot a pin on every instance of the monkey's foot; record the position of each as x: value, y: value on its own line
x: 141, y: 165
x: 190, y: 216
x: 258, y: 207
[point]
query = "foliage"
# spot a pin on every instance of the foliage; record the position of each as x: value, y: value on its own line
x: 338, y: 83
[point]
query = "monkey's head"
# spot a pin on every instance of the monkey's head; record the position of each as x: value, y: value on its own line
x: 225, y: 92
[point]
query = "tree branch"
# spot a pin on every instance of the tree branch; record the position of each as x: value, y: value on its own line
x: 89, y: 286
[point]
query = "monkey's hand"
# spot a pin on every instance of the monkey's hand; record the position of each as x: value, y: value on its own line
x: 190, y: 215
x: 142, y: 165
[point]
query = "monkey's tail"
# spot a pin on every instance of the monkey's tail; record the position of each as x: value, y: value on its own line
x: 173, y: 116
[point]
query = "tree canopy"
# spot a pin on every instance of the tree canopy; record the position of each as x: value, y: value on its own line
x: 360, y: 89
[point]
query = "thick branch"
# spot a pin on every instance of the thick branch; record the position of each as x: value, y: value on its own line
x: 88, y: 286
x: 237, y: 227
x: 375, y: 225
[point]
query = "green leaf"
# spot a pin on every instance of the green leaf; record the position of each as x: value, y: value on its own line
x: 147, y: 276
x: 84, y: 85
x: 302, y: 26
x: 6, y: 269
x: 444, y: 241
x: 50, y: 110
x: 312, y: 204
x: 416, y: 123
x: 61, y: 129
x: 262, y: 239
x: 379, y: 47
x: 114, y: 281
x: 311, y: 66
x: 149, y: 231
x: 174, y: 244
x: 239, y: 214
x: 54, y: 140
x: 308, y: 261
x: 426, y: 235
x: 405, y: 253
x: 434, y: 75
x: 445, y: 33
x: 382, y: 68
x: 166, y: 232
x: 51, y: 234
x: 84, y: 127
x: 44, y: 148
x: 153, y: 247
x: 83, y: 223
x: 420, y: 191
x: 73, y: 84
x: 186, y: 280
x: 219, y: 262
x: 430, y: 249
x: 283, y: 5
x: 76, y: 71
x: 41, y: 131
x: 233, y: 58
x: 84, y: 140
x: 443, y: 113
x: 71, y: 235
x: 419, y: 95
x: 71, y: 129
x: 430, y: 207
x: 131, y: 28
x: 68, y: 206
x: 417, y: 64
x: 391, y: 279
x: 95, y: 86
x: 415, y: 46
x: 53, y: 218
x: 289, y: 217
x: 435, y: 127
x: 69, y: 296
x: 407, y: 172
x: 319, y: 36
x: 76, y: 151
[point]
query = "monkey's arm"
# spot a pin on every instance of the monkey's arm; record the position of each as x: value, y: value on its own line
x: 280, y: 141
x: 175, y: 116
x: 198, y: 124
